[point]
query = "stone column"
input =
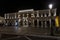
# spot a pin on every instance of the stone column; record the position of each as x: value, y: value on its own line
x: 45, y: 15
x: 33, y: 22
x: 27, y: 19
x: 26, y: 22
x: 23, y: 19
x: 32, y: 15
x: 5, y: 19
x: 5, y: 16
x: 41, y: 15
x: 37, y: 13
x: 37, y: 22
x: 27, y: 15
x: 19, y: 21
x: 50, y: 22
x: 10, y: 17
x: 41, y: 24
x: 55, y: 12
x: 15, y: 15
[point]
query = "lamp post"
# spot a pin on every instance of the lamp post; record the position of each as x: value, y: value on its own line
x: 51, y: 27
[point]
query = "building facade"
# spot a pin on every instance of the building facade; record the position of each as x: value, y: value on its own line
x: 31, y: 18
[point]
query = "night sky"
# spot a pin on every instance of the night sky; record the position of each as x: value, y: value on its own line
x: 8, y: 6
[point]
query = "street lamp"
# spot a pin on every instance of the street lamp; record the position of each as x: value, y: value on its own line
x: 51, y: 30
x: 50, y: 6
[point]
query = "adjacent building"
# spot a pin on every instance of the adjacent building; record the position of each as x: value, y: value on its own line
x: 2, y: 20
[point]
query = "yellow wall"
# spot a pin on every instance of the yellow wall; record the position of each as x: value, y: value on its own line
x: 57, y: 21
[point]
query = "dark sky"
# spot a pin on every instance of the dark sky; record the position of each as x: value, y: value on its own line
x: 7, y: 6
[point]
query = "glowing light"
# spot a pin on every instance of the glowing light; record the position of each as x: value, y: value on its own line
x: 50, y: 6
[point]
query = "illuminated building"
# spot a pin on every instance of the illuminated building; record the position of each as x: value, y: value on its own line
x: 31, y: 18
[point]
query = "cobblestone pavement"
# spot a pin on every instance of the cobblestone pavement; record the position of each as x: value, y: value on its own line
x: 24, y: 37
x: 24, y: 30
x: 29, y: 33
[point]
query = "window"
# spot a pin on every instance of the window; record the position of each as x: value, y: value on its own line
x: 43, y: 15
x: 47, y: 14
x: 35, y: 15
x: 39, y: 15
